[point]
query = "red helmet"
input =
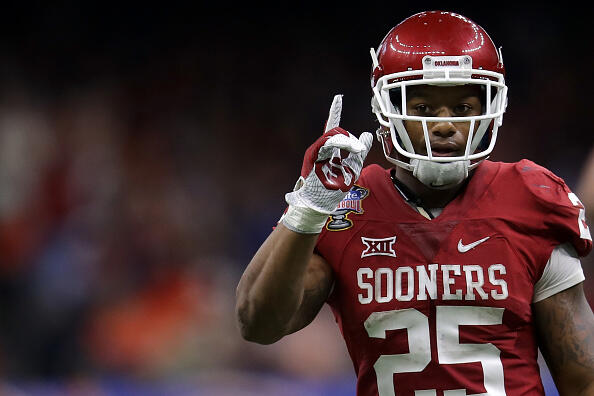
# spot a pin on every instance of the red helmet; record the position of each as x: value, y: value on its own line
x: 436, y: 48
x: 435, y: 33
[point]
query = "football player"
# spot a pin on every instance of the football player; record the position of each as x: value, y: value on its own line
x: 447, y: 272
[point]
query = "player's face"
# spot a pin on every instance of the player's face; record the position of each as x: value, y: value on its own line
x: 446, y: 138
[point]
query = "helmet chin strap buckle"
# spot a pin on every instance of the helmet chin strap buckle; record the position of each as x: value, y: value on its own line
x: 438, y: 175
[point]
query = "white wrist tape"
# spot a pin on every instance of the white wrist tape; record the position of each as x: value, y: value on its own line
x: 304, y: 220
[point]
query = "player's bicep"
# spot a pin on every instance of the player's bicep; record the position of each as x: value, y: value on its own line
x: 565, y: 327
x: 317, y: 286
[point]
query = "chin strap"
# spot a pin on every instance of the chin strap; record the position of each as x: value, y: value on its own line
x: 440, y: 175
x: 410, y: 197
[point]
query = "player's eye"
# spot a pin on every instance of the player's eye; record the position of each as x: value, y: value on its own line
x: 462, y: 108
x: 421, y: 109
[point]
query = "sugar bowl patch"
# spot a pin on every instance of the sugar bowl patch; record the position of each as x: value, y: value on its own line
x: 352, y: 203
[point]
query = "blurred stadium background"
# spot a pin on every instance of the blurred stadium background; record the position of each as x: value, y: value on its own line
x: 144, y: 154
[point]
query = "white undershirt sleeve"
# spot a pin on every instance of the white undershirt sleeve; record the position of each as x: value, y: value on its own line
x: 563, y: 270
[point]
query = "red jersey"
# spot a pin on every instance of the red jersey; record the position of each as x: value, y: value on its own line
x: 443, y: 306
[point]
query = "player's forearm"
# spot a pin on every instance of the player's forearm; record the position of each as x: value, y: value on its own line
x: 271, y: 289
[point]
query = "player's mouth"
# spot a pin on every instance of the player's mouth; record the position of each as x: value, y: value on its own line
x: 445, y: 150
x: 437, y: 153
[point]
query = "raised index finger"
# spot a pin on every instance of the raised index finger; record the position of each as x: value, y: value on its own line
x: 334, y: 114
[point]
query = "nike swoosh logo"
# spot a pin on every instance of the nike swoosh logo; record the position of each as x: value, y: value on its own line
x: 464, y: 248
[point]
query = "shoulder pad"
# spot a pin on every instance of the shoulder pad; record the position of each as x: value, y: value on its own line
x: 372, y: 170
x: 563, y: 213
x: 546, y: 187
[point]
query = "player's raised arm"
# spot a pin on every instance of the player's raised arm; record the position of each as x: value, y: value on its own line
x: 286, y: 284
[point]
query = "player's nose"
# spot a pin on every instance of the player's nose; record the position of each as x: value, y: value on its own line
x: 443, y: 128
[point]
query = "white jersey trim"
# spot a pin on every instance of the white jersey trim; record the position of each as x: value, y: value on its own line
x: 563, y: 270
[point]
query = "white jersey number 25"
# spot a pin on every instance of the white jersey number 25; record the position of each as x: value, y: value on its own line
x: 449, y: 349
